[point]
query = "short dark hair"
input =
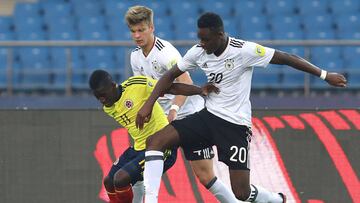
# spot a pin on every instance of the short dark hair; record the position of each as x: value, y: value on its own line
x: 99, y: 79
x: 212, y: 21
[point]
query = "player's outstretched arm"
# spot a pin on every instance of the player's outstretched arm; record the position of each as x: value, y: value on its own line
x: 283, y: 58
x: 162, y: 86
x: 188, y: 90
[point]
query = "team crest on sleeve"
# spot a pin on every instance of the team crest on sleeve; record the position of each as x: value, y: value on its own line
x: 157, y: 67
x: 150, y: 84
x: 129, y: 104
x: 260, y: 50
x: 229, y: 64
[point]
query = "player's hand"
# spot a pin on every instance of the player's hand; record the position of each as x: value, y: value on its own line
x: 209, y: 88
x: 143, y: 116
x: 336, y: 79
x: 172, y: 115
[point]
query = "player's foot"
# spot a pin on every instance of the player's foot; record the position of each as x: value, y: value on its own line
x: 283, y: 197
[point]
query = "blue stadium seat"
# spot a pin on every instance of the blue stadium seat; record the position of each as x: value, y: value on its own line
x: 99, y: 58
x: 185, y: 28
x: 222, y: 8
x: 55, y: 9
x: 288, y: 34
x: 164, y: 28
x: 351, y: 52
x: 31, y: 35
x: 292, y: 78
x: 116, y: 8
x: 35, y: 67
x: 63, y: 35
x: 345, y: 6
x: 248, y: 7
x: 28, y: 23
x: 186, y: 8
x: 347, y: 34
x: 312, y: 7
x: 348, y: 21
x: 280, y: 23
x: 280, y: 7
x: 160, y: 8
x: 87, y: 8
x: 317, y: 22
x: 320, y: 34
x: 6, y: 23
x: 266, y: 77
x: 59, y: 63
x: 354, y: 79
x: 3, y: 58
x: 90, y: 23
x: 253, y: 23
x: 93, y: 35
x: 60, y: 24
x: 27, y: 9
x: 6, y: 35
x: 325, y: 52
x: 230, y: 26
x: 261, y: 34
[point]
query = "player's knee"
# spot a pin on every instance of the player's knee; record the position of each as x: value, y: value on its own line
x: 153, y: 143
x: 108, y: 183
x: 121, y: 179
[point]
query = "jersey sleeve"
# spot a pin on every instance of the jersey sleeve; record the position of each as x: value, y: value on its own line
x: 172, y: 57
x: 188, y: 62
x: 256, y: 55
x: 135, y: 69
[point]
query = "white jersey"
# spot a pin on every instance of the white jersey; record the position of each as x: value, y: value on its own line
x: 161, y: 58
x: 231, y: 72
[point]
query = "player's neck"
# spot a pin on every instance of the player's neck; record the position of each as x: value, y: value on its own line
x: 148, y: 47
x: 222, y: 48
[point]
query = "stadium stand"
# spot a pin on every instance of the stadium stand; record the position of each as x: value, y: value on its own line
x: 68, y: 20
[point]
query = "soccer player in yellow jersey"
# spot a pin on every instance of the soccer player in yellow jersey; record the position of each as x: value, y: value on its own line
x: 122, y: 102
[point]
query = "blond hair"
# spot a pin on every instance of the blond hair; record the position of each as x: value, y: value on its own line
x: 138, y: 14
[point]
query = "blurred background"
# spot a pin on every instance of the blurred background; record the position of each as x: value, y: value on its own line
x: 48, y: 48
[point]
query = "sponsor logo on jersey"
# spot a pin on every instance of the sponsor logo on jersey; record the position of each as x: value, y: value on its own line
x: 150, y: 84
x: 260, y: 50
x: 229, y: 64
x: 204, y: 66
x: 128, y: 103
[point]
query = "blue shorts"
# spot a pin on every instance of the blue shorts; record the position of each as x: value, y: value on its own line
x: 133, y: 161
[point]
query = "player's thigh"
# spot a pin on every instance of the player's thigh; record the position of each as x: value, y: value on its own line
x: 233, y: 142
x: 166, y: 138
x: 195, y: 137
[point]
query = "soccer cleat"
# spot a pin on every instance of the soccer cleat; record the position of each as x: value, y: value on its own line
x: 283, y: 197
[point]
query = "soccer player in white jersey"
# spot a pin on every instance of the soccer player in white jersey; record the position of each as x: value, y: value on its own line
x: 226, y: 120
x: 153, y: 57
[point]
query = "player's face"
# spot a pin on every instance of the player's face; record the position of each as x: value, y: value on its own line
x: 142, y: 33
x: 209, y: 40
x: 106, y: 95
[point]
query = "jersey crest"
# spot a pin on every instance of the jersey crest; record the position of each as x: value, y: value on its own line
x: 128, y: 103
x: 229, y: 64
x: 157, y: 67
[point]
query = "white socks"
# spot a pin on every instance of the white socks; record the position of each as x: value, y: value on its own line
x: 138, y: 191
x: 221, y: 191
x: 261, y: 195
x: 154, y: 165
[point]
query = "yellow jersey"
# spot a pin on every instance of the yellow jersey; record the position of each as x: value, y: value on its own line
x: 135, y: 91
